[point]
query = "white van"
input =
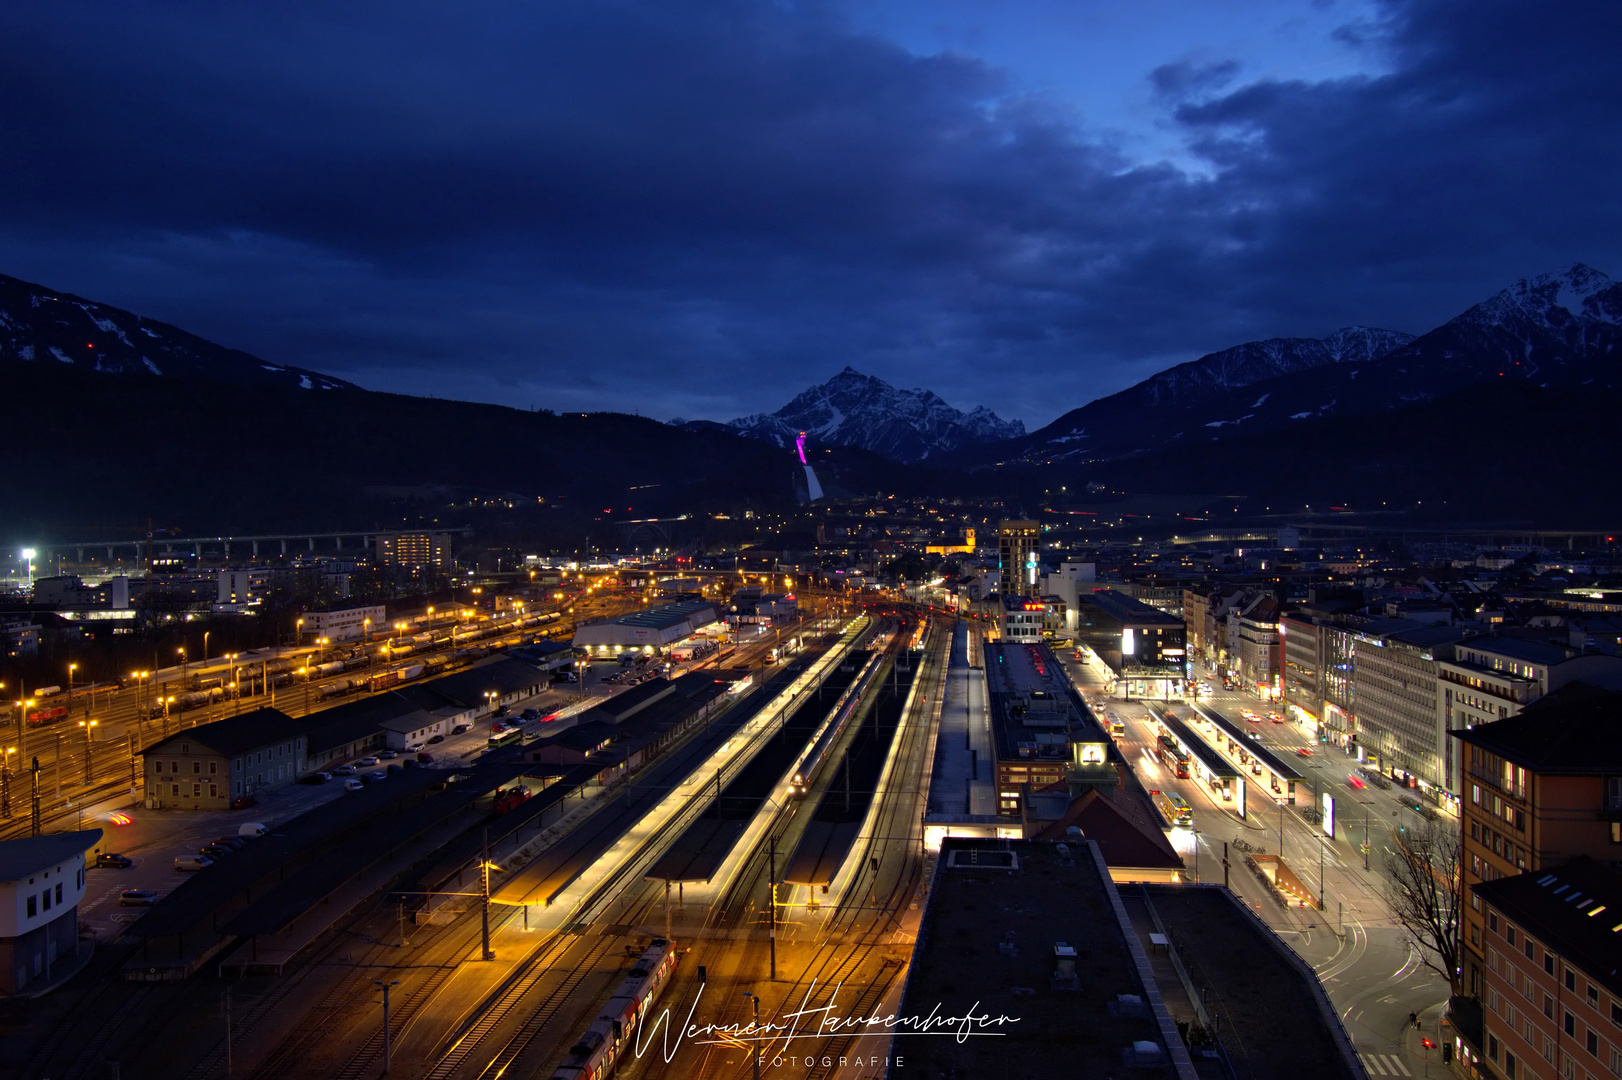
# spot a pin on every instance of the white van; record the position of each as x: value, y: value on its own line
x: 353, y: 785
x: 252, y: 829
x: 193, y: 862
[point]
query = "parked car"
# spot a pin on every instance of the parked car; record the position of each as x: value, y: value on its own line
x: 344, y: 770
x: 377, y: 775
x: 387, y: 755
x: 232, y: 842
x: 394, y: 766
x: 460, y: 728
x: 501, y: 710
x: 529, y: 714
x: 214, y: 851
x: 409, y: 763
x: 193, y: 862
x: 426, y: 758
x: 367, y: 762
x: 435, y: 739
x: 137, y: 898
x: 353, y: 785
x: 250, y: 829
x: 109, y: 858
x: 242, y: 802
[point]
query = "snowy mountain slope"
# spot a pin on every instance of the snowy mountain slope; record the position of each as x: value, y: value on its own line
x: 852, y: 409
x: 39, y: 325
x: 1553, y: 330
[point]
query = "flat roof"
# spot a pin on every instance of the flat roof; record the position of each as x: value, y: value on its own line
x: 1127, y: 609
x: 998, y: 919
x: 1532, y: 652
x: 1572, y: 731
x: 1030, y: 696
x: 1199, y: 747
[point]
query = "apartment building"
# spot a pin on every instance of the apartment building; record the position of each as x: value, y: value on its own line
x: 1399, y: 722
x: 1551, y: 993
x: 1542, y: 787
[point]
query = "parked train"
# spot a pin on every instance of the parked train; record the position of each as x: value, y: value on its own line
x: 843, y: 710
x: 600, y: 1048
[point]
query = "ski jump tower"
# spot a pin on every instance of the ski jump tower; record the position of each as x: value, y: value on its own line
x: 813, y: 487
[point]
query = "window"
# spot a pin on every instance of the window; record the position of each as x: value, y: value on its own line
x: 1571, y: 1024
x: 1593, y: 996
x: 1571, y: 977
x: 213, y: 767
x: 1509, y: 1065
x: 1616, y: 1060
x: 1548, y: 1006
x: 1548, y: 965
x: 1492, y: 921
x: 174, y: 789
x: 157, y: 766
x: 197, y: 767
x: 59, y: 894
x: 1509, y: 934
x: 1492, y: 1047
x: 1548, y: 962
x: 196, y: 789
x: 45, y: 900
x: 1593, y: 1042
x: 1616, y: 1013
x: 33, y: 907
x: 213, y: 791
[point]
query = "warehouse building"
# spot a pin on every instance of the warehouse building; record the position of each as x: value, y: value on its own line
x: 205, y: 767
x: 653, y: 630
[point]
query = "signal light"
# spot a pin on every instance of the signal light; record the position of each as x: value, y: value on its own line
x: 1427, y: 1044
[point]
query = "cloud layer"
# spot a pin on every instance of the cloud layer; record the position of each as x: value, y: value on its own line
x: 699, y: 208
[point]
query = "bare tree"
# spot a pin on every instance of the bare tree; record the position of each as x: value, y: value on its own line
x: 1424, y: 893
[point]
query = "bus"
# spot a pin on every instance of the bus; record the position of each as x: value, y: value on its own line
x: 1116, y: 725
x: 1173, y: 755
x: 1174, y: 808
x: 505, y: 738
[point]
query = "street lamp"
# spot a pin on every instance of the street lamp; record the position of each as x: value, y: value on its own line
x: 28, y: 553
x: 755, y: 1000
x: 89, y: 726
x: 5, y: 782
x: 386, y: 1044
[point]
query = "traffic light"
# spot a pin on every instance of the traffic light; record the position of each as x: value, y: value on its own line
x: 1427, y: 1044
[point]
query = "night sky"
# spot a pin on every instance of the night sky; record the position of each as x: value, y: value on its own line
x: 699, y: 208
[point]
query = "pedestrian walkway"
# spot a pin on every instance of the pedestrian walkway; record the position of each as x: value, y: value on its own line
x: 1384, y: 1065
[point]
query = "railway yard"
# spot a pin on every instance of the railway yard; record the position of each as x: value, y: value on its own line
x: 761, y: 859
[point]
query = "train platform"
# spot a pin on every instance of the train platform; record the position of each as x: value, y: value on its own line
x: 698, y: 854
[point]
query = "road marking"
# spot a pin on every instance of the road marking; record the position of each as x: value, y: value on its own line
x: 1395, y: 1060
x: 1371, y: 1062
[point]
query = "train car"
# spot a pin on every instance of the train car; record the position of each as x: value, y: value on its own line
x: 594, y: 1056
x: 843, y: 710
x: 46, y: 716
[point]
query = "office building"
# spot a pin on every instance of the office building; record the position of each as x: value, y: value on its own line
x: 1017, y: 561
x: 345, y: 623
x: 1144, y: 648
x: 428, y: 551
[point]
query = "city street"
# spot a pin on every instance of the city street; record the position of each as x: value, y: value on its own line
x: 1363, y: 956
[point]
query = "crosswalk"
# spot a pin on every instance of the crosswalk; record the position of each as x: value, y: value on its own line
x: 1384, y: 1065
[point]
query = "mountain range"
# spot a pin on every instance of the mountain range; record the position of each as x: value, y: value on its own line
x: 1357, y: 417
x: 1556, y: 330
x: 852, y: 409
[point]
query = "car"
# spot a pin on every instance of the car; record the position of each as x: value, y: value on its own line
x: 193, y: 862
x: 214, y: 851
x: 460, y: 728
x: 395, y: 766
x: 315, y: 778
x: 344, y: 770
x: 387, y: 755
x: 110, y: 858
x: 242, y: 802
x: 501, y: 710
x: 408, y: 763
x: 1356, y: 781
x: 528, y: 714
x: 367, y: 762
x: 232, y: 842
x: 1277, y: 718
x: 137, y: 898
x: 377, y: 775
x: 1304, y: 751
x: 353, y: 785
x: 1255, y: 768
x: 425, y: 758
x: 432, y: 739
x: 250, y: 829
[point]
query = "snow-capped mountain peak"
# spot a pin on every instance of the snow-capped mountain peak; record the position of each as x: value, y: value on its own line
x: 853, y: 409
x: 1578, y: 293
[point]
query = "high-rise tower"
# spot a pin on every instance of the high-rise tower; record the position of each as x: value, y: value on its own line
x: 1016, y: 556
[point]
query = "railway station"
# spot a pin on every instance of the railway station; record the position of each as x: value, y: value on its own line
x: 1224, y: 780
x: 653, y: 630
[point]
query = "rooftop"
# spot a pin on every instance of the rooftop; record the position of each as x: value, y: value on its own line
x: 1573, y: 730
x: 1531, y: 652
x: 1576, y: 911
x: 31, y: 854
x: 1125, y: 609
x: 1000, y: 919
x: 238, y: 734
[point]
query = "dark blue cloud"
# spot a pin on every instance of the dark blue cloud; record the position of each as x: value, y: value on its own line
x: 697, y: 208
